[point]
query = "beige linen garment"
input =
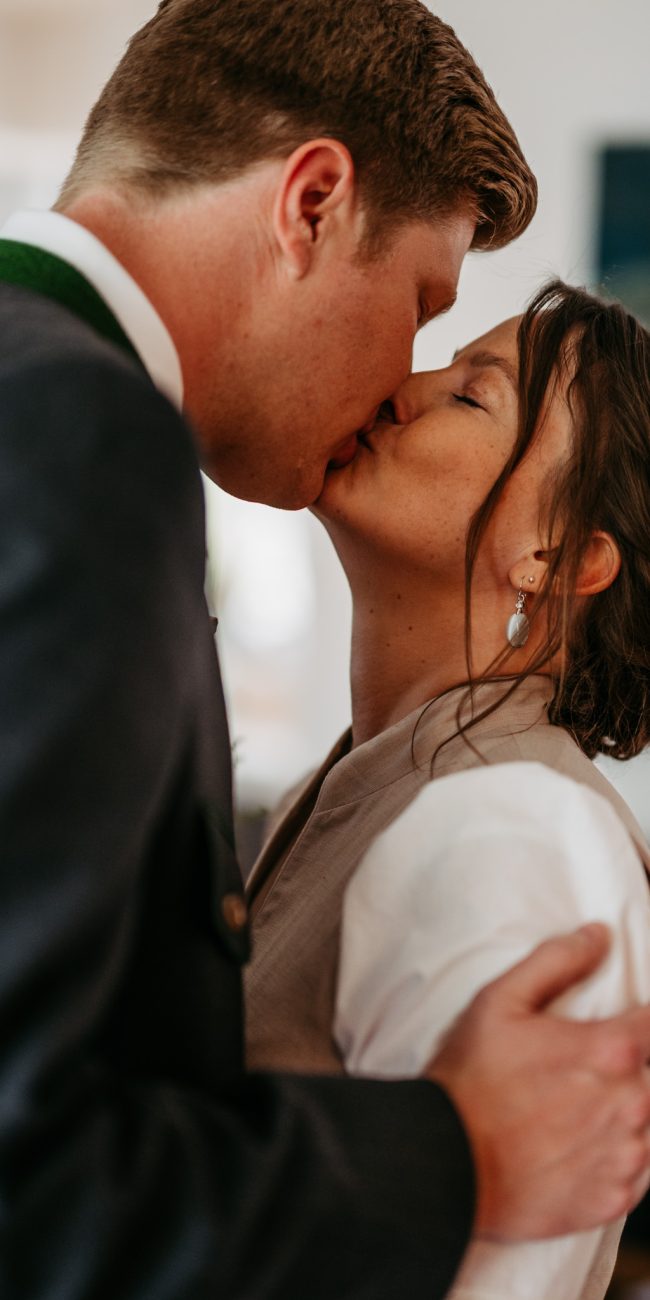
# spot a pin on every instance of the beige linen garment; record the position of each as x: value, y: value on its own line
x: 297, y: 886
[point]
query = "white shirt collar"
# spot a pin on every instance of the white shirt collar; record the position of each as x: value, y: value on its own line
x: 140, y: 321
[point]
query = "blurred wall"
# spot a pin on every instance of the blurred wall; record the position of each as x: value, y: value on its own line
x: 571, y: 76
x: 54, y: 56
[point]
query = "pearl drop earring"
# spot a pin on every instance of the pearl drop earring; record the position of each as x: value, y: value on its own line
x: 518, y: 627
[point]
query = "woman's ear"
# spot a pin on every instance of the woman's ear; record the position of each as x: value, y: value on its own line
x: 317, y: 192
x: 529, y: 573
x: 599, y: 568
x: 600, y: 565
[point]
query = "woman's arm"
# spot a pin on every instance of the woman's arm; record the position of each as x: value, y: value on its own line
x: 479, y: 869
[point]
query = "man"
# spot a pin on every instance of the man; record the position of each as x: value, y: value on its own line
x: 268, y: 200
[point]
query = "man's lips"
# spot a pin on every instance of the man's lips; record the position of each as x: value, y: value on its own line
x: 345, y: 453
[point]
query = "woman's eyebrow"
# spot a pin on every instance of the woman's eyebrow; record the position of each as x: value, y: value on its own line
x: 481, y: 360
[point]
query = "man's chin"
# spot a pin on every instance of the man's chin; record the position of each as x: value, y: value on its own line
x: 294, y: 491
x: 304, y: 493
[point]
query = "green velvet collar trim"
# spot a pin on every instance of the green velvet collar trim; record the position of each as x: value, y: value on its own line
x: 33, y: 268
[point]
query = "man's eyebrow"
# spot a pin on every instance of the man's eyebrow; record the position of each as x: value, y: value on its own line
x: 481, y: 360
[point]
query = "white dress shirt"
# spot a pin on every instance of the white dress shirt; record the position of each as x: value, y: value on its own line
x: 481, y: 867
x: 140, y: 321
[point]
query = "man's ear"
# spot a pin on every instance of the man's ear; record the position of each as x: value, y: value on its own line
x: 600, y: 565
x: 317, y: 192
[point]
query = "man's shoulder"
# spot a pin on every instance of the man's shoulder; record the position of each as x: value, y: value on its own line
x: 57, y: 372
x: 84, y: 426
x: 36, y: 331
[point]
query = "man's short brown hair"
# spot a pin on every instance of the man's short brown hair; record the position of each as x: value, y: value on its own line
x: 209, y: 87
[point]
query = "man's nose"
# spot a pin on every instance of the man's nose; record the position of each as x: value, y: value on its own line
x: 415, y: 395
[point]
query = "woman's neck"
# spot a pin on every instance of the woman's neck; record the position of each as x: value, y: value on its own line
x: 408, y: 646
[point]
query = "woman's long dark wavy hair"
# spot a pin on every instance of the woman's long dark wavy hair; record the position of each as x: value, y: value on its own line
x: 602, y: 691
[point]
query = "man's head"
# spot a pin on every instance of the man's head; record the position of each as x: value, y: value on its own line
x: 246, y: 98
x: 209, y: 87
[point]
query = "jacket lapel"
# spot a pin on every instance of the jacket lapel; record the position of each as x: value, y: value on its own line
x: 32, y: 268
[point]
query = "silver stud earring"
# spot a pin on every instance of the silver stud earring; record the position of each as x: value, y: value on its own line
x: 518, y: 624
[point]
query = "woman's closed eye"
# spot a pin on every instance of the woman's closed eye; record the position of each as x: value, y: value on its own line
x: 468, y: 401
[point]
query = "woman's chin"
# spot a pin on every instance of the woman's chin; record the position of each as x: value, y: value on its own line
x: 324, y: 509
x: 350, y: 492
x: 332, y: 492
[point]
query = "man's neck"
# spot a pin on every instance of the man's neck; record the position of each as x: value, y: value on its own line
x: 193, y: 255
x: 81, y: 268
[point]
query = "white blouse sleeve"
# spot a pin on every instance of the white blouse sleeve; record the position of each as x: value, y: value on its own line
x: 480, y: 868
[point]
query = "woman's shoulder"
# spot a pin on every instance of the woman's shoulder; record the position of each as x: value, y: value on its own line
x: 554, y: 748
x: 524, y: 797
x: 482, y: 866
x: 523, y: 830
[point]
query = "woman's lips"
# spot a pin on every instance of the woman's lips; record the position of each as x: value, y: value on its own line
x: 374, y: 436
x: 346, y: 453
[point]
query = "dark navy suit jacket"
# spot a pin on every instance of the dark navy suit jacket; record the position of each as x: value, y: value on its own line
x: 136, y: 1158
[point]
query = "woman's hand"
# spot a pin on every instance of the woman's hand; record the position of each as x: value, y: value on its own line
x: 557, y: 1112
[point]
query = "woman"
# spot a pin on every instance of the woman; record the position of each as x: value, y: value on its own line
x: 495, y: 530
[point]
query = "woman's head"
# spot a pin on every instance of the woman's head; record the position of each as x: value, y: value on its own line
x: 528, y: 457
x: 426, y: 467
x: 595, y: 511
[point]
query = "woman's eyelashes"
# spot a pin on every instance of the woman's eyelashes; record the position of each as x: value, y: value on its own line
x: 468, y: 401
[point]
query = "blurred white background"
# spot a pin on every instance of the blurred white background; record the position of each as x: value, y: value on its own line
x: 572, y: 75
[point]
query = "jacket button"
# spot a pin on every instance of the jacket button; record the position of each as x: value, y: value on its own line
x: 234, y: 912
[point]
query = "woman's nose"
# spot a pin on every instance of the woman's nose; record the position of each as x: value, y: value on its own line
x: 415, y: 395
